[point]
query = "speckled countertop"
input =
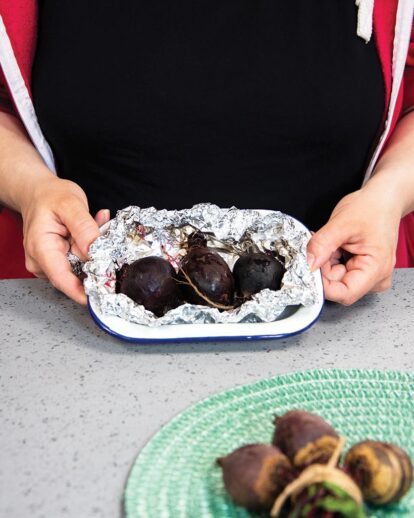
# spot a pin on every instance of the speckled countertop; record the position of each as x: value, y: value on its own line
x: 76, y: 406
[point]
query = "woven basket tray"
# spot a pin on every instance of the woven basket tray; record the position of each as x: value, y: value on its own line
x: 175, y: 475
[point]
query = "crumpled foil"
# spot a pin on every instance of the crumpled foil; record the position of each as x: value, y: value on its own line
x: 135, y: 233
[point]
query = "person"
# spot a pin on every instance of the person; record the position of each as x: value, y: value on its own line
x: 253, y: 103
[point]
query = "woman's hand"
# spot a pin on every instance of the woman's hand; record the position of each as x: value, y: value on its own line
x: 56, y: 218
x: 366, y: 223
x: 365, y: 226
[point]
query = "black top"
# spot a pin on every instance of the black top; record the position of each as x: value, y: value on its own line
x: 252, y: 103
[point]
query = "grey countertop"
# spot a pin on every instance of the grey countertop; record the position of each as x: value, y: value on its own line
x: 76, y: 406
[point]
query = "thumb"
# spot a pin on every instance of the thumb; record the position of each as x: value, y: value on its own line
x: 102, y: 217
x: 325, y: 242
x: 81, y: 225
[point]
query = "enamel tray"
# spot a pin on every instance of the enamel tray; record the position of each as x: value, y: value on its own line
x: 295, y: 319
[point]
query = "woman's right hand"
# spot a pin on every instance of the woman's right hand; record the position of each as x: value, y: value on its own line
x: 56, y: 219
x: 55, y: 211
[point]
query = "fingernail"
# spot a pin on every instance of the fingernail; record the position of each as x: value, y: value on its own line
x: 107, y: 214
x: 311, y: 261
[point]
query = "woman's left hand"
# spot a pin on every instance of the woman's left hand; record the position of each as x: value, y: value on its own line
x: 365, y: 226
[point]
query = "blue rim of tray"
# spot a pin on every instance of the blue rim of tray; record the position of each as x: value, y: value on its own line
x: 224, y: 338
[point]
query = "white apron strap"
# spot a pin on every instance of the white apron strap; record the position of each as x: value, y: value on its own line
x: 21, y: 97
x: 403, y: 27
x: 365, y: 17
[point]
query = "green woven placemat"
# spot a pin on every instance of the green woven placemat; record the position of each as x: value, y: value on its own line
x: 175, y: 475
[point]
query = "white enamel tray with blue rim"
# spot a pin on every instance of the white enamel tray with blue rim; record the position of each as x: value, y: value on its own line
x: 293, y: 320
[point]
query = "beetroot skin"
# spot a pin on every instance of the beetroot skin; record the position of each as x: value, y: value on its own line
x: 152, y: 282
x: 305, y: 438
x: 255, y: 474
x: 254, y: 272
x: 206, y: 278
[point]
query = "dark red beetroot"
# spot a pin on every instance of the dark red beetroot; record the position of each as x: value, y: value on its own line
x: 305, y: 438
x: 254, y: 272
x: 151, y: 281
x: 205, y: 277
x: 255, y: 474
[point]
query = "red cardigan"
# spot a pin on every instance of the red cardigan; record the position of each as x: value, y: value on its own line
x: 20, y: 20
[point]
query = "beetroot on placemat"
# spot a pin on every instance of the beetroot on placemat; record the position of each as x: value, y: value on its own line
x: 383, y: 471
x: 255, y: 474
x: 304, y: 437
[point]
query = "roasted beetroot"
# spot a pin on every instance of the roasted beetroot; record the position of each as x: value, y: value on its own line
x: 254, y: 272
x: 151, y: 281
x: 305, y: 438
x: 206, y: 279
x: 383, y: 471
x: 255, y: 474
